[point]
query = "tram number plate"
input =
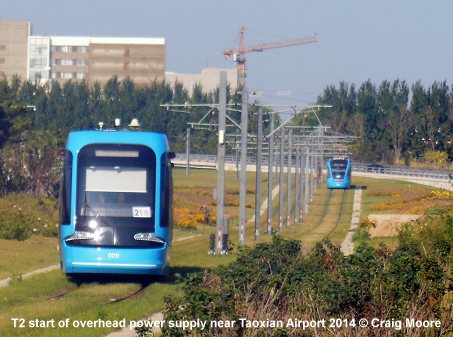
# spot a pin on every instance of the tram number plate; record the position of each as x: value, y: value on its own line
x: 113, y: 255
x: 141, y: 212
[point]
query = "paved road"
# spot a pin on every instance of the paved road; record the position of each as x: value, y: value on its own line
x: 5, y: 282
x: 347, y: 247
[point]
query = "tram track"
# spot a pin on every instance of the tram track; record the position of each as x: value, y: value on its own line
x: 124, y: 288
x: 132, y: 295
x: 340, y: 213
x: 326, y: 207
x: 333, y: 209
x: 59, y: 296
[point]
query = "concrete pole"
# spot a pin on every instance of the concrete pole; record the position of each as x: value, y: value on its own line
x: 277, y: 162
x: 221, y: 161
x: 259, y: 154
x: 243, y: 173
x: 307, y: 178
x: 314, y: 164
x: 225, y: 234
x: 322, y: 155
x: 280, y: 185
x: 188, y: 150
x: 301, y: 186
x: 237, y: 155
x: 312, y: 185
x: 297, y: 183
x: 270, y: 168
x: 288, y: 178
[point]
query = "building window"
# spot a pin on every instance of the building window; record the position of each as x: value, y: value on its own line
x: 61, y: 49
x: 66, y: 62
x: 66, y: 75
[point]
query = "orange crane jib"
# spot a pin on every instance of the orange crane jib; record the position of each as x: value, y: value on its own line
x: 264, y: 46
x: 239, y: 54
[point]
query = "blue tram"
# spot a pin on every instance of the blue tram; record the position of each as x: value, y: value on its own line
x: 116, y: 203
x: 339, y: 173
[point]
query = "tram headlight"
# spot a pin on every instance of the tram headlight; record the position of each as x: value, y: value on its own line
x: 92, y: 224
x: 81, y: 236
x: 148, y: 237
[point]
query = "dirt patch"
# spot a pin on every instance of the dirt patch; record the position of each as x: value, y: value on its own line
x: 388, y: 225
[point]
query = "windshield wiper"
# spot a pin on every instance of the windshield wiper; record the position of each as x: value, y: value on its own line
x: 92, y: 210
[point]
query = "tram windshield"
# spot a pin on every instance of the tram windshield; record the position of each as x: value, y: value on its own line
x: 338, y: 167
x: 115, y: 193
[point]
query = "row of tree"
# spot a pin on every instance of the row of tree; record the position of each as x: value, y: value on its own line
x: 77, y: 106
x: 393, y: 122
x: 35, y: 121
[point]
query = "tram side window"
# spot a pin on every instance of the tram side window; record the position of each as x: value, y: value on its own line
x: 65, y: 190
x: 166, y: 200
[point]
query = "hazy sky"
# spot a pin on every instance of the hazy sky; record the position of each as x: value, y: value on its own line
x: 357, y: 39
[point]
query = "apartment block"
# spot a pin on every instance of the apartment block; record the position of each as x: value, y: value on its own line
x: 98, y: 59
x: 140, y: 59
x: 14, y: 48
x: 42, y: 59
x: 94, y: 59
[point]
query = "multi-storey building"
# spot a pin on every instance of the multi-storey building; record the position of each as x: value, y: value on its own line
x: 41, y: 59
x: 14, y: 48
x: 94, y: 59
x: 98, y: 59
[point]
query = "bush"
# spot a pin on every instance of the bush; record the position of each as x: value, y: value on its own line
x: 186, y: 218
x: 22, y: 215
x: 276, y: 282
x: 438, y: 157
x: 14, y: 224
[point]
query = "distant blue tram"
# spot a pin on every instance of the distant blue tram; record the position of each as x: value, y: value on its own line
x: 339, y: 173
x: 116, y: 203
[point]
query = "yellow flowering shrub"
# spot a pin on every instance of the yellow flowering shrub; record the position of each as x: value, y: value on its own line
x: 188, y: 218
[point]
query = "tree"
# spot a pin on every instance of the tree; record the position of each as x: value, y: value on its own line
x: 393, y: 99
x: 344, y: 103
x: 30, y: 165
x: 376, y: 136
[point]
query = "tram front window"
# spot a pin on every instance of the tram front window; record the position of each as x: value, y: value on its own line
x: 116, y: 188
x: 338, y: 168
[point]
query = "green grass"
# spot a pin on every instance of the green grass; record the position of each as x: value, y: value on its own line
x: 20, y: 257
x: 88, y: 302
x: 380, y: 190
x: 314, y: 227
x: 392, y: 196
x: 31, y: 298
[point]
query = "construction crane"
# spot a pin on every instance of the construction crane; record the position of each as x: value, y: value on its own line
x: 238, y: 55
